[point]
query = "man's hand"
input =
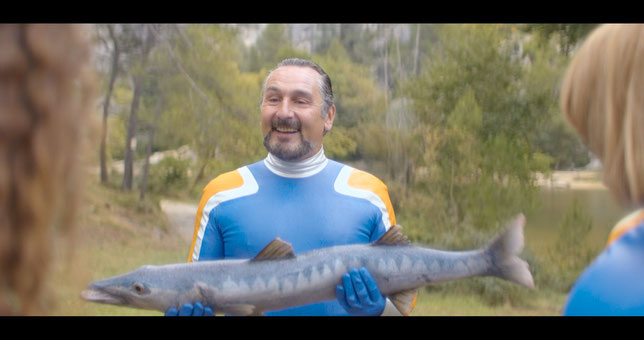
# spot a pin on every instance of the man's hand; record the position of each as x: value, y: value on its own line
x: 359, y: 294
x: 188, y: 310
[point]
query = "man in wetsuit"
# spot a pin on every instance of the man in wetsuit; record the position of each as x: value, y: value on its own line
x: 296, y: 194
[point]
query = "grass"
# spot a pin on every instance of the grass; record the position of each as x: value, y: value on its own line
x: 471, y: 304
x: 117, y: 233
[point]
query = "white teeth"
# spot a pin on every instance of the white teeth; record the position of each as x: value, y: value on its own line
x: 285, y: 130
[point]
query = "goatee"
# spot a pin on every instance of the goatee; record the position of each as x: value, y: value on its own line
x: 292, y: 150
x: 286, y: 152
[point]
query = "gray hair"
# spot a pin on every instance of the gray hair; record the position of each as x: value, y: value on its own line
x: 326, y: 90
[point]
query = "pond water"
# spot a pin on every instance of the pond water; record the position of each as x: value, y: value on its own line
x: 542, y: 224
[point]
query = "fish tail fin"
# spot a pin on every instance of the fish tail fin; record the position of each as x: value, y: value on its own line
x: 504, y: 251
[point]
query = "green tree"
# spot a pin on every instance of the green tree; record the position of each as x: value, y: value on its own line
x: 153, y: 99
x: 358, y: 102
x: 138, y: 67
x: 273, y: 45
x: 112, y: 44
x: 566, y: 36
x: 481, y: 155
x: 544, y: 66
x: 357, y: 97
x: 214, y: 106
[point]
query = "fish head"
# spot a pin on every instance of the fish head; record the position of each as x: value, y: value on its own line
x: 141, y: 288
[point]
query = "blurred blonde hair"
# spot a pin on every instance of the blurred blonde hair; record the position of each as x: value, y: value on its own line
x: 46, y: 96
x: 603, y: 99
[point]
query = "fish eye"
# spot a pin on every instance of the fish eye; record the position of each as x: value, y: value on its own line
x: 139, y: 288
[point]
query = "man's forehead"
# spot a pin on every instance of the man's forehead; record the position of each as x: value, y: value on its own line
x: 293, y: 76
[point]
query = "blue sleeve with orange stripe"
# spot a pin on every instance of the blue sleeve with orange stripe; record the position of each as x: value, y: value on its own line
x: 212, y: 246
x: 242, y: 211
x: 613, y: 285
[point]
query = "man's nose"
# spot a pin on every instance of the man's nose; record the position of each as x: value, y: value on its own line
x: 285, y: 110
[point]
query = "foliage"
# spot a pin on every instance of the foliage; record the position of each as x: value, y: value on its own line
x: 571, y: 252
x: 481, y: 156
x: 357, y: 97
x: 339, y: 145
x: 272, y: 47
x: 567, y: 36
x: 116, y: 137
x: 214, y: 106
x: 543, y: 72
x: 357, y: 100
x: 169, y: 175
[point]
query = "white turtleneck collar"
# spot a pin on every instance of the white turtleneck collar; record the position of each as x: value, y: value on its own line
x: 299, y: 169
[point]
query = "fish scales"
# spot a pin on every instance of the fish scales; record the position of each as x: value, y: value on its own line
x: 274, y: 282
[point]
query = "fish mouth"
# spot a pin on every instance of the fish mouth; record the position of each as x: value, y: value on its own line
x: 101, y: 296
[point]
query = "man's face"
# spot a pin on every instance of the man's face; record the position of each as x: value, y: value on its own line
x: 292, y: 122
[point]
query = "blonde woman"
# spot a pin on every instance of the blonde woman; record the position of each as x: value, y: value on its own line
x: 603, y: 99
x: 45, y: 101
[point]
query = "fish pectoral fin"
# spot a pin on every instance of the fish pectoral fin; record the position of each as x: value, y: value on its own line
x: 206, y: 292
x: 257, y: 313
x: 209, y: 297
x: 393, y: 236
x: 241, y: 310
x: 276, y: 250
x: 405, y: 301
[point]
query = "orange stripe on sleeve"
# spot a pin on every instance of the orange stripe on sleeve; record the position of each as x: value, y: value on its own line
x: 627, y: 223
x: 223, y: 182
x: 363, y: 180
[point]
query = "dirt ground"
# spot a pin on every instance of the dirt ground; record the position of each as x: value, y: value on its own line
x: 181, y: 216
x: 577, y: 179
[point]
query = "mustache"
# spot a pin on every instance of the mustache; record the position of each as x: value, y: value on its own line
x: 285, y: 123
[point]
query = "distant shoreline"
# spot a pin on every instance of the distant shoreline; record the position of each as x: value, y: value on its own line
x: 574, y: 179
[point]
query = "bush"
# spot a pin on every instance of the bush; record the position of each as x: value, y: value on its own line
x: 571, y: 253
x: 169, y: 175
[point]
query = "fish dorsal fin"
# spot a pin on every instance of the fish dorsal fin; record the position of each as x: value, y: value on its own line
x: 393, y: 236
x: 276, y: 250
x: 405, y: 301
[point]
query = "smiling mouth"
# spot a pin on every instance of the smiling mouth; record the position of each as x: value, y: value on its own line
x: 285, y: 130
x: 285, y: 126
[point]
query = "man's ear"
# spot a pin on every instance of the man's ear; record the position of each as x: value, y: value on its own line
x: 328, y: 123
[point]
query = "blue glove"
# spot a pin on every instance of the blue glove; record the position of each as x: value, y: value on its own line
x: 359, y: 294
x: 188, y: 310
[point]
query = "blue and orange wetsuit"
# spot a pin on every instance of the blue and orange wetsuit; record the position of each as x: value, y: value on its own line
x: 315, y: 204
x: 614, y: 283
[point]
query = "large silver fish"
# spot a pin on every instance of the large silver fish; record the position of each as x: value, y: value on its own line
x: 277, y: 279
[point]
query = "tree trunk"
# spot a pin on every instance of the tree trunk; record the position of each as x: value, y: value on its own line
x: 144, y: 181
x: 400, y: 68
x: 128, y: 163
x: 417, y: 49
x: 386, y: 62
x: 106, y: 104
x: 202, y: 171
